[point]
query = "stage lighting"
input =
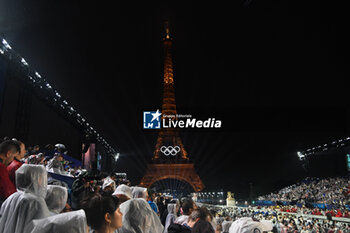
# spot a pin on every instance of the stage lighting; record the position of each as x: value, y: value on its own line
x: 4, y: 42
x: 24, y: 62
x: 36, y: 73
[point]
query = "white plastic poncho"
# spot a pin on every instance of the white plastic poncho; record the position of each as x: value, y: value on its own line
x: 55, y: 166
x: 226, y: 226
x: 56, y: 198
x: 123, y: 190
x: 138, y: 217
x: 170, y: 218
x: 107, y: 182
x: 139, y: 192
x: 28, y: 203
x: 72, y: 222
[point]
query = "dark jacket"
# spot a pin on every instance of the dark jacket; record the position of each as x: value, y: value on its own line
x: 202, y: 226
x: 177, y: 228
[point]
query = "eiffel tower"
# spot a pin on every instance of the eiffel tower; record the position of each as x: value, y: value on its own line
x: 164, y: 165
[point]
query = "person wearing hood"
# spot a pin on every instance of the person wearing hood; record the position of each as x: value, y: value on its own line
x: 172, y: 210
x: 56, y: 198
x: 226, y: 224
x: 108, y: 185
x: 28, y: 203
x: 123, y: 192
x: 139, y: 192
x: 55, y: 164
x: 138, y: 217
x: 72, y: 222
x: 250, y: 225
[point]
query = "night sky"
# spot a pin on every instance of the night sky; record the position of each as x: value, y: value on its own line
x: 272, y: 71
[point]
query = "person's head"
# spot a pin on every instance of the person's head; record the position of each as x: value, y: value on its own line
x: 59, y: 157
x: 22, y: 152
x: 103, y: 213
x: 139, y: 215
x: 204, y: 214
x: 32, y: 179
x: 139, y: 192
x: 108, y: 185
x: 188, y: 206
x: 160, y: 200
x: 172, y: 209
x: 202, y: 226
x: 8, y: 150
x: 56, y: 198
x: 123, y: 192
x: 193, y: 218
x: 151, y: 194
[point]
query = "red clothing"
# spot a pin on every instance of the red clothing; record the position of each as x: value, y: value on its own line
x: 6, y: 186
x: 12, y: 168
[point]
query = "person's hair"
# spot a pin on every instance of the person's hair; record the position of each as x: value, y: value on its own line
x: 96, y: 208
x: 194, y: 215
x: 9, y: 145
x: 187, y: 204
x: 204, y: 213
x: 202, y: 226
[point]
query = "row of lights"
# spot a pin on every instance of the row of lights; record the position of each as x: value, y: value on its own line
x: 333, y: 144
x: 52, y: 95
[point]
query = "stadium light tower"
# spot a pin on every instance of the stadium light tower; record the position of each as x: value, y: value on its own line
x: 301, y: 156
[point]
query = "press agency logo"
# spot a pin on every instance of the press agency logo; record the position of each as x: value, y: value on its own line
x: 151, y: 120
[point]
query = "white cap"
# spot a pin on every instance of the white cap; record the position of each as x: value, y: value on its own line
x: 248, y: 225
x: 124, y: 190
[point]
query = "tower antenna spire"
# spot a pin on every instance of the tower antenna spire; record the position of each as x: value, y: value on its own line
x: 167, y: 31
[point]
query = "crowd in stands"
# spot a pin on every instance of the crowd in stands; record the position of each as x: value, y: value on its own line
x: 103, y: 203
x: 332, y: 191
x: 282, y: 222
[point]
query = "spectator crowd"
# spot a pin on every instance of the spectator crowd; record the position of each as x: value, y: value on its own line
x: 33, y: 202
x: 331, y: 191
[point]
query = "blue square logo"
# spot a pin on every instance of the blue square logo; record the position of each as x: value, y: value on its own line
x: 151, y: 120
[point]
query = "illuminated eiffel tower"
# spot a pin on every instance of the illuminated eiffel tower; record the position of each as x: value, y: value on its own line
x: 165, y: 165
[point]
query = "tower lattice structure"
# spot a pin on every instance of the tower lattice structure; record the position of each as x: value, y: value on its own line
x: 172, y: 167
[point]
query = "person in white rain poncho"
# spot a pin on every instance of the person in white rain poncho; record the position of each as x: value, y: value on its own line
x: 139, y: 192
x: 28, y: 203
x: 123, y: 193
x: 108, y: 185
x: 172, y: 210
x: 138, y: 217
x: 56, y: 198
x: 250, y: 225
x: 71, y: 222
